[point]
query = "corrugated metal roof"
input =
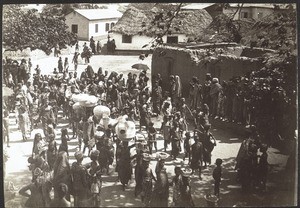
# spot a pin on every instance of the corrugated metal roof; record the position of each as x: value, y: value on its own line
x: 197, y: 6
x: 96, y: 14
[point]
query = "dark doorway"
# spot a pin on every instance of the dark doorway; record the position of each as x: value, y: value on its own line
x: 172, y: 39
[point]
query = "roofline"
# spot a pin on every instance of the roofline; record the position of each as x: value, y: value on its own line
x: 77, y: 13
x: 250, y: 6
x: 90, y: 19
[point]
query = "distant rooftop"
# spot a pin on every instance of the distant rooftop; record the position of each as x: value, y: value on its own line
x: 205, y: 5
x: 96, y: 14
x: 197, y: 6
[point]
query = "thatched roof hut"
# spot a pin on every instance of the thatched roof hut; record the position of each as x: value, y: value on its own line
x: 139, y: 22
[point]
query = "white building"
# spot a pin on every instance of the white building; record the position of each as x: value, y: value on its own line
x: 130, y: 34
x: 92, y: 22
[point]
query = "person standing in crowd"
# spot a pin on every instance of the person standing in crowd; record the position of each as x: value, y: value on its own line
x: 177, y: 184
x: 80, y: 181
x: 173, y: 89
x: 92, y: 45
x: 29, y: 65
x: 60, y: 65
x: 178, y: 89
x: 75, y: 60
x: 161, y: 188
x: 165, y: 129
x: 209, y: 142
x: 64, y: 141
x: 23, y: 122
x: 214, y: 94
x: 5, y: 126
x: 152, y: 137
x: 197, y: 155
x: 61, y: 174
x: 66, y: 65
x: 51, y: 151
x: 187, y: 146
x: 113, y: 46
x: 46, y: 115
x: 217, y: 174
x: 147, y: 185
x: 206, y: 90
x: 138, y: 170
x: 35, y: 198
x: 124, y: 163
x: 144, y: 117
x: 185, y: 190
x: 263, y: 167
x: 62, y: 193
x: 23, y: 72
x: 175, y: 140
x: 156, y: 97
x: 99, y: 47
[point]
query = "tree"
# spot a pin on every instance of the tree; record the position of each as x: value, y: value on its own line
x: 23, y: 29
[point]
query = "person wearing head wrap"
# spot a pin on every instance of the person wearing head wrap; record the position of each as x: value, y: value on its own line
x: 80, y: 181
x: 214, y: 92
x: 61, y: 173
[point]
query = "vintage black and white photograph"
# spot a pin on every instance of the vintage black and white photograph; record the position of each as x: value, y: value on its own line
x: 149, y: 104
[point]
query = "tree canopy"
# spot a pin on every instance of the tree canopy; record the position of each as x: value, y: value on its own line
x: 28, y: 28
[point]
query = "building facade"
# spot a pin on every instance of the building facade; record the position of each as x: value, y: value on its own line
x: 91, y: 22
x: 136, y: 42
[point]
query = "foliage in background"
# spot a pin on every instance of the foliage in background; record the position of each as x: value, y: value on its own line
x: 28, y: 28
x: 271, y: 94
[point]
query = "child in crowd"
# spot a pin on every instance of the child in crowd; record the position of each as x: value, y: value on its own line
x: 217, y: 174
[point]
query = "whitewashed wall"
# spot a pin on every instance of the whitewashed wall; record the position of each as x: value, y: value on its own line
x: 139, y: 41
x: 82, y: 22
x: 101, y: 27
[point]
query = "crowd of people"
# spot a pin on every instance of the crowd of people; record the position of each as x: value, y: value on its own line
x: 227, y: 100
x: 39, y: 98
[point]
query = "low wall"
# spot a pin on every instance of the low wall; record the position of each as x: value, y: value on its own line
x: 188, y: 63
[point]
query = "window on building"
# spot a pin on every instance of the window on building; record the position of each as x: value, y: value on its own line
x: 112, y: 25
x: 96, y: 28
x: 74, y: 28
x: 245, y: 15
x: 260, y: 15
x: 172, y: 39
x: 126, y: 39
x: 106, y: 27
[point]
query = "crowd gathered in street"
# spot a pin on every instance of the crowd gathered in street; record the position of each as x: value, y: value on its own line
x: 39, y: 98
